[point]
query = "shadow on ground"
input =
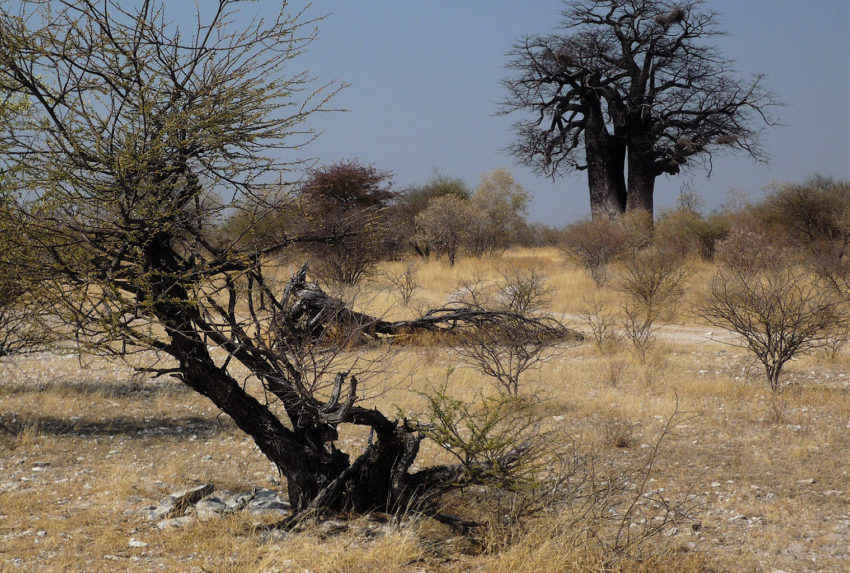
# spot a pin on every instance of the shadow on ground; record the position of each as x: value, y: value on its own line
x: 12, y: 424
x: 105, y: 389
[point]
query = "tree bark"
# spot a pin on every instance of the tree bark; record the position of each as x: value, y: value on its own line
x: 642, y: 174
x: 605, y: 156
x: 319, y: 477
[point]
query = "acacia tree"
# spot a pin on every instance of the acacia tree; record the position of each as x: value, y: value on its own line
x: 778, y: 308
x: 139, y: 135
x: 348, y: 200
x: 630, y: 85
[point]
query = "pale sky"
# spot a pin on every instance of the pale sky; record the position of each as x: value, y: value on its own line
x: 425, y: 88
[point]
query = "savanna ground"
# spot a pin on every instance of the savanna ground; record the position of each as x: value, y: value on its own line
x: 761, y: 479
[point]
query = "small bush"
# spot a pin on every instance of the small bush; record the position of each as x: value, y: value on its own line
x: 404, y: 283
x: 523, y: 291
x: 593, y: 244
x: 745, y: 251
x: 601, y: 322
x: 685, y: 232
x: 652, y: 281
x: 779, y: 309
x: 515, y: 340
x: 638, y: 228
x: 816, y: 211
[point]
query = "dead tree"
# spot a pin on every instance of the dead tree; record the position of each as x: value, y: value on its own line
x: 309, y: 312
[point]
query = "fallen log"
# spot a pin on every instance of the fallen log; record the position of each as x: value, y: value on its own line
x: 308, y: 312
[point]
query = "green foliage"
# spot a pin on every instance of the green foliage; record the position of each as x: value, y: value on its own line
x: 416, y: 198
x: 485, y: 430
x: 123, y: 168
x: 21, y: 330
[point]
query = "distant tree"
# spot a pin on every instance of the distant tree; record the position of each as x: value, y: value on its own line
x: 504, y: 203
x: 349, y: 201
x: 814, y: 214
x: 415, y: 199
x: 630, y: 83
x: 446, y: 225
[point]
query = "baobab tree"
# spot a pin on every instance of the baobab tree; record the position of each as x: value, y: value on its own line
x: 630, y: 86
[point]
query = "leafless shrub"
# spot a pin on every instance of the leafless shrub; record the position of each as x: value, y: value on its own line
x: 830, y: 262
x: 596, y: 501
x: 523, y: 291
x: 615, y: 368
x: 638, y: 228
x: 745, y: 251
x: 614, y: 508
x: 779, y: 309
x: 836, y: 340
x: 517, y: 341
x: 593, y: 244
x: 652, y: 281
x: 618, y: 431
x: 601, y: 322
x: 509, y: 347
x: 404, y: 282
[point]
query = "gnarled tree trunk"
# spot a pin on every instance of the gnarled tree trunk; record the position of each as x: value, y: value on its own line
x: 319, y: 476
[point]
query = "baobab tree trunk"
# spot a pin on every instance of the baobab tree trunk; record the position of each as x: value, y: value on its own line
x: 605, y: 156
x: 642, y: 174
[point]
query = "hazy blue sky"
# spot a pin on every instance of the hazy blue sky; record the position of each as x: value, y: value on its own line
x: 425, y: 87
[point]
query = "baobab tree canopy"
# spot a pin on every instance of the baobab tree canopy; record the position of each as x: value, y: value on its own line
x: 628, y: 90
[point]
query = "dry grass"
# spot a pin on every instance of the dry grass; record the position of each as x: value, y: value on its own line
x: 82, y: 450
